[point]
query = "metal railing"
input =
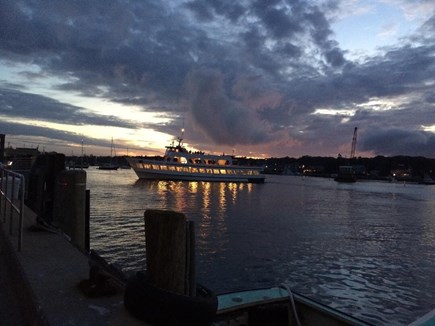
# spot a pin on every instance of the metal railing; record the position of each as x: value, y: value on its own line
x: 12, y: 189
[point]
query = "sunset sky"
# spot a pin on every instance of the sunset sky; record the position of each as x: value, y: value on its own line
x: 254, y: 78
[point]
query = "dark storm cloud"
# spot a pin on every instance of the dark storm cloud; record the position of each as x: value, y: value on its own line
x: 17, y: 129
x: 278, y: 22
x: 397, y: 132
x: 220, y: 111
x: 240, y: 72
x: 47, y: 139
x: 16, y: 104
x: 205, y: 10
x: 396, y: 141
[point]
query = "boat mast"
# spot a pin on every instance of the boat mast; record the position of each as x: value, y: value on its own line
x: 81, y: 160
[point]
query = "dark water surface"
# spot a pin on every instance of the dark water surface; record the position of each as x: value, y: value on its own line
x: 367, y: 248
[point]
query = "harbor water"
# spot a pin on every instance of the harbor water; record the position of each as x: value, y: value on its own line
x: 367, y: 249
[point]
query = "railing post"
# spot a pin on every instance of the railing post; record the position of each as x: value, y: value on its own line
x: 5, y: 192
x: 9, y: 194
x: 21, y: 220
x: 11, y: 208
x: 1, y: 197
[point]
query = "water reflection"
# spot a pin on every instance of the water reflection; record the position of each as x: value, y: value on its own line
x: 367, y: 248
x: 182, y: 196
x: 207, y: 203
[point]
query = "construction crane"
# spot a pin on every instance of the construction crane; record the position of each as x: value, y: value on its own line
x: 352, y: 151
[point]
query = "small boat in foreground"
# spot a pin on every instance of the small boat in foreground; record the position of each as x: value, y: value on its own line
x: 180, y: 164
x: 278, y: 306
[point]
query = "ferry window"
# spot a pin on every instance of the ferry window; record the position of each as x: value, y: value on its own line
x: 223, y: 171
x: 194, y: 170
x: 163, y: 167
x: 201, y: 170
x: 209, y: 170
x: 171, y: 168
x: 215, y: 171
x: 155, y: 166
x: 183, y: 160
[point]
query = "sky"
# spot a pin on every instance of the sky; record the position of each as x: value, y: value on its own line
x: 251, y: 78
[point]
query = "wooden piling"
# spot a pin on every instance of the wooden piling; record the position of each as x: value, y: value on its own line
x: 70, y: 206
x: 169, y: 251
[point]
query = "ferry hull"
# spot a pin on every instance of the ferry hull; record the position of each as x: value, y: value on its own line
x: 159, y: 170
x: 149, y: 175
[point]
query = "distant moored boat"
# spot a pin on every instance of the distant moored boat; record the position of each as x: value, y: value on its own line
x: 110, y: 165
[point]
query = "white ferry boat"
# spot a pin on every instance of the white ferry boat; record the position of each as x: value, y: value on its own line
x: 181, y: 164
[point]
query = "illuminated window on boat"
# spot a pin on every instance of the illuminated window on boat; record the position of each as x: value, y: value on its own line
x: 223, y: 171
x: 194, y: 170
x: 155, y: 167
x: 171, y: 168
x: 147, y: 166
x: 209, y: 171
x: 215, y: 171
x: 163, y: 167
x: 201, y: 170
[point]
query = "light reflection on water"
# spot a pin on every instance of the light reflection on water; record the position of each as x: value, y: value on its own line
x: 365, y: 248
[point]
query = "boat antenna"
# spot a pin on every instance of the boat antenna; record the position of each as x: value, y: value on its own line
x: 180, y: 138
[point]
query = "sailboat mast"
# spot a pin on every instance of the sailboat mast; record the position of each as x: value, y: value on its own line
x: 81, y: 160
